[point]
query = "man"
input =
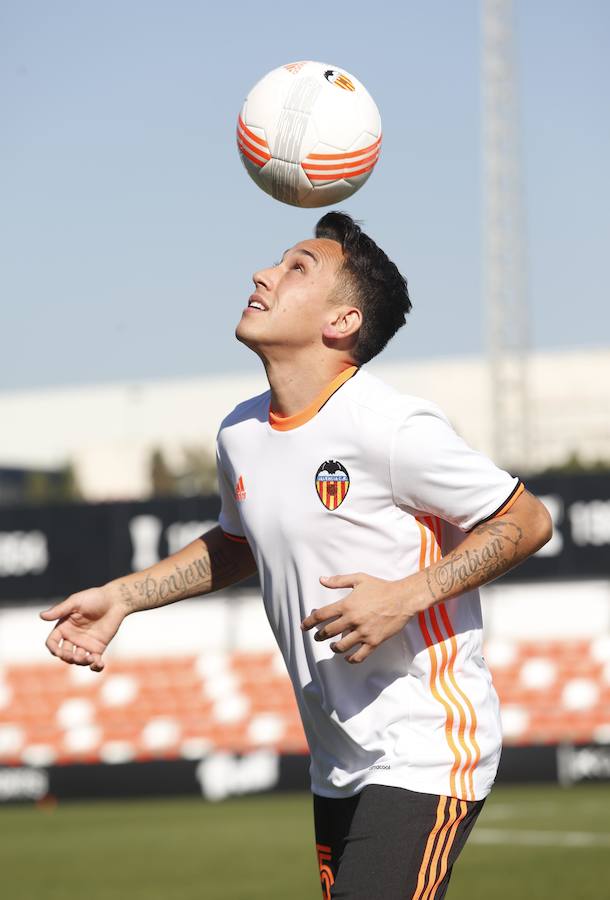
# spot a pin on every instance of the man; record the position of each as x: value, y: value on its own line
x: 331, y: 471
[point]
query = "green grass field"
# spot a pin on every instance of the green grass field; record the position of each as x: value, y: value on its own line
x: 542, y: 843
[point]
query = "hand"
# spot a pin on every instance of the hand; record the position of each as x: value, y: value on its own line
x: 87, y: 623
x: 374, y: 611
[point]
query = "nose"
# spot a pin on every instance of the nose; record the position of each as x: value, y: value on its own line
x: 263, y: 278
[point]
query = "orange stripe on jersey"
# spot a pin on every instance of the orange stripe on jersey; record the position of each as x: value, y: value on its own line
x: 423, y: 869
x: 455, y: 817
x: 447, y: 663
x: 238, y: 538
x: 514, y: 495
x: 422, y: 545
x: 436, y: 526
x: 473, y: 716
x: 426, y: 534
x: 472, y: 728
x: 435, y: 550
x: 511, y: 500
x: 449, y: 715
x: 473, y: 753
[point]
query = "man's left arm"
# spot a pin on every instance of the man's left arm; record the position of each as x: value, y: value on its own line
x: 377, y: 609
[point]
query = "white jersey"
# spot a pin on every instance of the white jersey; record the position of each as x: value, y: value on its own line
x: 369, y: 480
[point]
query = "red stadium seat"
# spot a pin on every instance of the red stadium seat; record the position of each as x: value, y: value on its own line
x: 151, y: 708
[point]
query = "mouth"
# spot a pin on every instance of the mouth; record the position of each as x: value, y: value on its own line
x: 257, y: 303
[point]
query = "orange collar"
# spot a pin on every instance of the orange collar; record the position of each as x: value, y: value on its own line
x: 287, y: 423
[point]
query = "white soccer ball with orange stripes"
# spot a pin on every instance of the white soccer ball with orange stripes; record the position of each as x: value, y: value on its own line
x: 309, y: 134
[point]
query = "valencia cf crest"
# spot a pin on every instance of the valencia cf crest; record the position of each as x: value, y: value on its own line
x: 332, y: 483
x: 334, y: 76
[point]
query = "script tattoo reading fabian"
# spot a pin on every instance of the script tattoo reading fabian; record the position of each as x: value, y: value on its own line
x: 212, y: 567
x: 461, y: 570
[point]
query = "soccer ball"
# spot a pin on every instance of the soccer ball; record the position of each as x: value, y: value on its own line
x: 309, y: 134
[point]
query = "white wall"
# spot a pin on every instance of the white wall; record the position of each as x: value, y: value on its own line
x: 236, y: 621
x: 108, y: 431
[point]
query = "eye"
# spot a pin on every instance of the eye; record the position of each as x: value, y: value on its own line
x: 299, y: 266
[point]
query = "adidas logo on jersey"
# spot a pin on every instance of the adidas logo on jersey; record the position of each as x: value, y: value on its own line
x: 240, y: 489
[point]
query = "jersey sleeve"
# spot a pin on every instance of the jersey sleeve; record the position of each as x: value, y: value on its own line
x: 228, y: 519
x: 434, y: 471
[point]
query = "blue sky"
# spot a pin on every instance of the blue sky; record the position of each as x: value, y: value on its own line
x: 129, y: 229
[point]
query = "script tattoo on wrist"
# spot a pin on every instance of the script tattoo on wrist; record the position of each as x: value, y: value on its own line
x: 214, y: 567
x: 462, y: 570
x: 126, y: 596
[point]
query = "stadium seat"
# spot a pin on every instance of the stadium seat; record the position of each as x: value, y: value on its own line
x: 550, y: 691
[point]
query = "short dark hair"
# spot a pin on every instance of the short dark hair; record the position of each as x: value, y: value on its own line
x: 378, y: 288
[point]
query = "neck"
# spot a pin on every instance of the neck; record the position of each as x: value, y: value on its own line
x: 296, y: 383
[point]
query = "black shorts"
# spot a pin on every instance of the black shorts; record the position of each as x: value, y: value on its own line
x: 388, y: 843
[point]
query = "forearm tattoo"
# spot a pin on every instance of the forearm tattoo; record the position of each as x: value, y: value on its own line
x: 464, y: 570
x: 212, y: 570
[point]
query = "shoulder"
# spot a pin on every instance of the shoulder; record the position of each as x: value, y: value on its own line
x: 256, y: 409
x: 383, y: 401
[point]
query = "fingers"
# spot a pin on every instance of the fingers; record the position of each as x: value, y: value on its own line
x: 332, y: 610
x: 59, y: 611
x: 66, y: 650
x: 62, y: 648
x: 332, y: 629
x: 75, y: 648
x: 347, y: 642
x: 351, y: 636
x: 53, y: 642
x: 360, y: 655
x: 78, y: 656
x: 70, y: 642
x: 370, y: 614
x: 97, y: 663
x: 341, y: 581
x: 354, y: 641
x: 316, y: 616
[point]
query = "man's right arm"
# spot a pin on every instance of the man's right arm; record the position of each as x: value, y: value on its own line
x: 210, y: 563
x: 88, y: 620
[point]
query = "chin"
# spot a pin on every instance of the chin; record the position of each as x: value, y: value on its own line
x: 242, y: 335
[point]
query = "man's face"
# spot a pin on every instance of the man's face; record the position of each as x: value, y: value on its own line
x: 291, y: 302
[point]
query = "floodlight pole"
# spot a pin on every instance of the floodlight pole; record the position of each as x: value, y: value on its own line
x: 504, y: 261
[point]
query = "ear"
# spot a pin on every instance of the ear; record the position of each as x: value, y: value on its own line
x: 346, y: 321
